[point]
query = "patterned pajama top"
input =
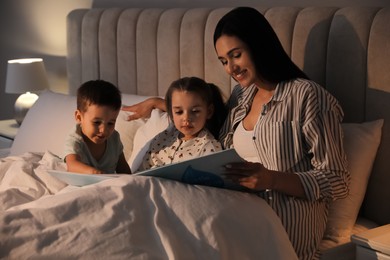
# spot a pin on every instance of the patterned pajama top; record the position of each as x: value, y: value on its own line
x: 168, y: 148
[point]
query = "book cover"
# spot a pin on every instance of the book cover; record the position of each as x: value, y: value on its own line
x: 206, y: 170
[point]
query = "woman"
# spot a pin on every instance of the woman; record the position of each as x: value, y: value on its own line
x: 292, y: 123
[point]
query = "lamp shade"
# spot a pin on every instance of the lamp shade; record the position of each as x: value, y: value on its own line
x: 24, y: 75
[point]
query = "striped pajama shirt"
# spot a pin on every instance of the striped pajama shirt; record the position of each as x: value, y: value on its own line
x: 299, y: 132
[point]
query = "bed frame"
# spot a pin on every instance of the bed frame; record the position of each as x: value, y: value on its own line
x: 344, y: 49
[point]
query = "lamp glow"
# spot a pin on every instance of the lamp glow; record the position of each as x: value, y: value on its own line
x: 23, y: 77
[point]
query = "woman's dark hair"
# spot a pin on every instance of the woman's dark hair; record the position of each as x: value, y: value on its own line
x: 208, y: 92
x: 250, y: 26
x: 98, y: 92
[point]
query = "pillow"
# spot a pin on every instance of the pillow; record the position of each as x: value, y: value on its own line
x: 361, y: 142
x: 127, y: 129
x: 157, y: 123
x: 46, y: 124
x: 49, y: 121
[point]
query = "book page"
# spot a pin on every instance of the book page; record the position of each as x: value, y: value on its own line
x: 206, y: 170
x: 80, y: 179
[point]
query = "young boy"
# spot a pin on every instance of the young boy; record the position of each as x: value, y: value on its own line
x: 94, y: 146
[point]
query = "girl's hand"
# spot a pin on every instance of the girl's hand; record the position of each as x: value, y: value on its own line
x: 144, y: 108
x: 251, y: 175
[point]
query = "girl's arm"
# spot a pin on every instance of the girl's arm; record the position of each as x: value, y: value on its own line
x: 144, y: 108
x: 123, y: 166
x: 74, y: 164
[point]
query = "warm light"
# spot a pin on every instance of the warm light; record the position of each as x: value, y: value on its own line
x: 25, y: 75
x: 23, y: 104
x: 23, y: 61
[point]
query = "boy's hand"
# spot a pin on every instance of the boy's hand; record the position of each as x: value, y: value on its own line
x: 74, y: 164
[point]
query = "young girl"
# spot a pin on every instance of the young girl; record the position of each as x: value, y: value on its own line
x: 197, y: 111
x: 94, y: 146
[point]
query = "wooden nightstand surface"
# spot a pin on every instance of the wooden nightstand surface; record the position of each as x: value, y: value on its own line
x: 8, y: 128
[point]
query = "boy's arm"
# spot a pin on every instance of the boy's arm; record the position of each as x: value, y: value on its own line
x: 123, y: 166
x: 74, y: 164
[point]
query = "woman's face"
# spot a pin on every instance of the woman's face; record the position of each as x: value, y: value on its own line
x: 236, y: 59
x: 189, y: 112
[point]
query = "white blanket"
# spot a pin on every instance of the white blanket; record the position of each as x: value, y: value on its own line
x: 130, y: 217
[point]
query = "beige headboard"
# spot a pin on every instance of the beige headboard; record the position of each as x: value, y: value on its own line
x: 344, y: 49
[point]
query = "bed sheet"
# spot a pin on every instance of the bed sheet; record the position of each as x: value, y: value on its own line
x: 131, y: 217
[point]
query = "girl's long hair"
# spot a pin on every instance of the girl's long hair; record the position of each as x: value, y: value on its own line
x: 209, y: 92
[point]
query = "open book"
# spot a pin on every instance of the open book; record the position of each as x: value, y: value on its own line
x: 81, y: 179
x: 206, y: 170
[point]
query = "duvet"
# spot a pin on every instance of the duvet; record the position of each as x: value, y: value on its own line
x: 130, y: 217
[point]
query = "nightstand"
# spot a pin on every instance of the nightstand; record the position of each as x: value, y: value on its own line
x: 373, y: 243
x: 8, y: 130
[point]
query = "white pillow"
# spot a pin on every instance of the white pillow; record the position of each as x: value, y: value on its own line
x: 127, y: 129
x: 46, y: 124
x: 157, y: 123
x: 361, y: 142
x: 49, y: 121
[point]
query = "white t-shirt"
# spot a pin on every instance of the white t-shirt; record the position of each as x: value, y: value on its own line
x: 75, y: 144
x: 244, y: 144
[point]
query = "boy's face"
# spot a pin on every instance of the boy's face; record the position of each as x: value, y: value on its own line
x: 97, y: 123
x: 190, y: 113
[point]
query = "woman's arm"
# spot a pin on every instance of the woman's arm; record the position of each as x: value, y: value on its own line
x: 328, y: 178
x: 255, y: 176
x: 144, y: 108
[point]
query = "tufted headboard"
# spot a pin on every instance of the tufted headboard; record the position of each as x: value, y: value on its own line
x: 344, y: 49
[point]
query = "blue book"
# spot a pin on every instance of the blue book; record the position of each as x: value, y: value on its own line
x: 205, y: 170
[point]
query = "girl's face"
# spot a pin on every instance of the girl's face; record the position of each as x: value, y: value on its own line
x: 97, y: 123
x: 236, y: 59
x: 190, y: 113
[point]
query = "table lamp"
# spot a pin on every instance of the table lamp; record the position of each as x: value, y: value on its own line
x: 23, y: 76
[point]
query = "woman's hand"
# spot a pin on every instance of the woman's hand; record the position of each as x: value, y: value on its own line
x: 251, y: 175
x: 144, y: 108
x: 256, y: 177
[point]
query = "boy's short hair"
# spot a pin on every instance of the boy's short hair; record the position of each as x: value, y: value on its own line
x: 98, y: 92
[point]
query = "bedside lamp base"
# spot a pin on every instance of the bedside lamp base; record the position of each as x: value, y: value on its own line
x: 23, y: 104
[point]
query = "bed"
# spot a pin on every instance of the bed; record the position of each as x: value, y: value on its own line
x: 142, y: 51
